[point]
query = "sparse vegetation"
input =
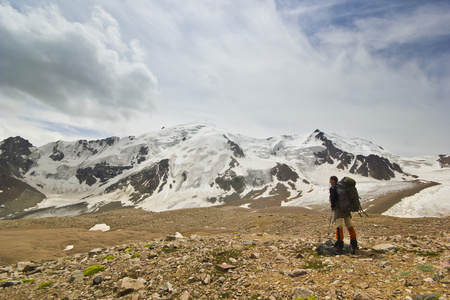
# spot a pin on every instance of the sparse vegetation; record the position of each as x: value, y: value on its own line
x: 27, y: 280
x: 45, y: 284
x: 425, y: 268
x: 315, y: 264
x: 427, y: 253
x: 93, y: 269
x: 129, y: 249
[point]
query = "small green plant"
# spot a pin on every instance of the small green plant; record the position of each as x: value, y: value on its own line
x: 314, y: 264
x: 129, y: 249
x: 428, y: 253
x: 27, y: 280
x: 93, y: 269
x: 425, y: 268
x: 44, y: 285
x: 309, y: 298
x: 168, y: 250
x: 404, y: 273
x: 109, y: 257
x: 136, y: 255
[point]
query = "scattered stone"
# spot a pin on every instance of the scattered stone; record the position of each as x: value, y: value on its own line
x: 249, y: 243
x: 417, y: 282
x: 252, y: 272
x: 373, y: 291
x: 363, y: 285
x: 206, y: 279
x: 167, y: 287
x: 4, y: 284
x: 445, y: 280
x: 301, y: 292
x: 97, y: 280
x: 170, y: 238
x: 225, y: 267
x: 185, y: 296
x: 383, y: 248
x: 297, y: 273
x: 384, y: 264
x: 425, y: 297
x: 361, y: 296
x: 26, y: 266
x: 95, y: 251
x: 129, y: 285
x: 77, y: 277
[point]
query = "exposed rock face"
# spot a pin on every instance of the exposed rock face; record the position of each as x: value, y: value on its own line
x: 231, y: 180
x: 14, y: 155
x: 444, y: 161
x: 284, y: 173
x: 102, y: 171
x: 146, y: 182
x: 370, y: 166
x: 237, y: 151
x: 15, y: 194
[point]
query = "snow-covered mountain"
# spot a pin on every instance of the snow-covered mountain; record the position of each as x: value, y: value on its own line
x: 193, y: 165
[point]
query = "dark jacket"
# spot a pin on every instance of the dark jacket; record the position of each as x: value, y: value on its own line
x: 334, y: 197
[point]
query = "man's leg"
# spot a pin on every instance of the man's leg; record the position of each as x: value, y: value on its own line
x: 352, y: 232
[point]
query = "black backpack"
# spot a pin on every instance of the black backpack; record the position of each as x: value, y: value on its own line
x: 348, y: 195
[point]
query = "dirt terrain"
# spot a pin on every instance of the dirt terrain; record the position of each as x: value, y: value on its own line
x: 271, y: 254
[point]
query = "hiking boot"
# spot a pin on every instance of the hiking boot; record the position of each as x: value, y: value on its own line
x: 354, y: 244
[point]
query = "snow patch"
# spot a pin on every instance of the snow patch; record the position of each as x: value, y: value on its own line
x: 69, y: 247
x: 100, y: 227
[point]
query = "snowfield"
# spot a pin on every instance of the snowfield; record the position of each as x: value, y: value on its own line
x: 431, y: 202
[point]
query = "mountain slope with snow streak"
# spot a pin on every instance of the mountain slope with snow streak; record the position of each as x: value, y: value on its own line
x: 197, y: 165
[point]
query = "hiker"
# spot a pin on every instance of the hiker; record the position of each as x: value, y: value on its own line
x: 341, y: 217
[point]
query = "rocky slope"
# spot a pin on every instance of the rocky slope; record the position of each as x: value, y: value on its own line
x: 213, y: 253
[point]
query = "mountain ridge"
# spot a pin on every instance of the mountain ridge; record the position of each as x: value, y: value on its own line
x: 191, y: 165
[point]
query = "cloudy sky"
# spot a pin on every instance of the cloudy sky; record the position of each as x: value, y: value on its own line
x: 89, y: 69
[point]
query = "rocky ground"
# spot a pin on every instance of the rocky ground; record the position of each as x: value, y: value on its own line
x: 222, y: 253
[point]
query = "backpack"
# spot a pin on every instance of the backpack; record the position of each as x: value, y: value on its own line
x: 348, y: 195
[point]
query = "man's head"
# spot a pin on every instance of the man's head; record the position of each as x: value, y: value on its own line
x: 333, y: 180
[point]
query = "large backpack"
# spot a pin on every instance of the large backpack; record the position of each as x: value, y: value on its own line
x: 348, y: 195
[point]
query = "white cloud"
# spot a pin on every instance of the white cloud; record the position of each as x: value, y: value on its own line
x: 80, y: 69
x: 260, y: 68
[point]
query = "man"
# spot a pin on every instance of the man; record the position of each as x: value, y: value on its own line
x: 341, y: 217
